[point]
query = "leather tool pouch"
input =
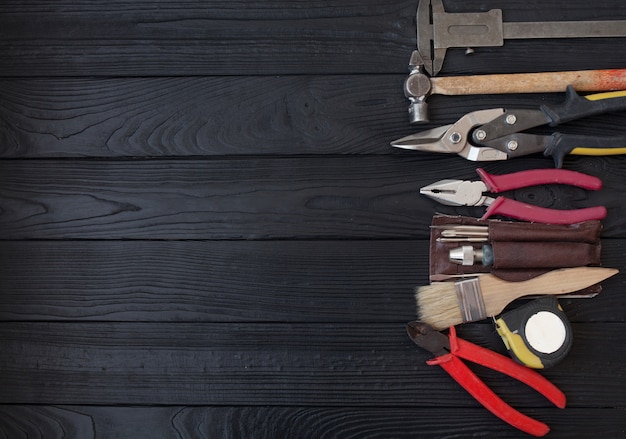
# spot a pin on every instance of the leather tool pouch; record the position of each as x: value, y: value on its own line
x: 521, y: 250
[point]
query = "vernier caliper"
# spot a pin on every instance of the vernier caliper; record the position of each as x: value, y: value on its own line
x: 438, y: 30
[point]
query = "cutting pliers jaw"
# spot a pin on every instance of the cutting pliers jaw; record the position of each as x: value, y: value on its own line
x: 455, y: 138
x: 427, y: 338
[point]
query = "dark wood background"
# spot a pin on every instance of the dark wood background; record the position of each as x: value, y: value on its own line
x: 206, y: 234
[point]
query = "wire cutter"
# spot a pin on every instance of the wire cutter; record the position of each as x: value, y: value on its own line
x: 495, y: 134
x: 471, y: 193
x: 449, y: 350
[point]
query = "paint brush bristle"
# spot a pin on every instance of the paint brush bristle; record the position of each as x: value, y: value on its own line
x: 438, y: 305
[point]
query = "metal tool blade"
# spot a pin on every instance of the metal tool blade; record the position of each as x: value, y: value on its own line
x: 455, y: 138
x: 427, y: 140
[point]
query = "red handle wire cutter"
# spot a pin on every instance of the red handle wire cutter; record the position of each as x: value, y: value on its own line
x: 449, y: 350
x: 470, y: 193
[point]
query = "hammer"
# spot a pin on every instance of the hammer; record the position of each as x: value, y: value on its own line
x: 418, y: 85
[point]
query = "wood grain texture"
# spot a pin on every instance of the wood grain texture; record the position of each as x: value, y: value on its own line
x: 148, y: 39
x: 274, y: 364
x: 233, y: 115
x: 312, y: 281
x: 539, y: 82
x: 252, y: 281
x: 200, y: 116
x: 498, y: 294
x: 373, y: 197
x: 89, y: 422
x: 205, y: 233
x: 89, y: 38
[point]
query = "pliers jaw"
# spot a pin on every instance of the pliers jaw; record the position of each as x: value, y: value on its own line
x: 456, y: 138
x: 457, y: 192
x: 427, y: 338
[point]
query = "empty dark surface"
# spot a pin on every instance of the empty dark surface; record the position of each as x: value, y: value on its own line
x: 205, y: 234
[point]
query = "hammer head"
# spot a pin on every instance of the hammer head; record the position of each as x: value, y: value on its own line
x: 417, y: 88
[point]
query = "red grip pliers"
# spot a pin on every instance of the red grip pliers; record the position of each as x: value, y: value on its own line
x: 449, y: 350
x: 471, y: 193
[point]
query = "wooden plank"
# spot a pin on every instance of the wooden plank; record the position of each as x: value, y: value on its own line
x: 216, y: 116
x: 90, y: 38
x: 300, y: 281
x: 205, y: 38
x: 90, y: 422
x: 274, y: 364
x: 258, y: 295
x: 349, y: 197
x: 199, y: 116
x: 245, y: 281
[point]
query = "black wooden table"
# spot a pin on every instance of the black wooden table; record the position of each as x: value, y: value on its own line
x: 206, y: 234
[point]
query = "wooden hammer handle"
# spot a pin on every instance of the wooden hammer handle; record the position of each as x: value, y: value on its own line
x: 544, y: 82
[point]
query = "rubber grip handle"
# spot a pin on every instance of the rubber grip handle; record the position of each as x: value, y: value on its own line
x: 578, y: 107
x: 500, y: 363
x: 562, y: 144
x: 528, y: 212
x: 451, y: 363
x: 492, y: 402
x: 533, y: 177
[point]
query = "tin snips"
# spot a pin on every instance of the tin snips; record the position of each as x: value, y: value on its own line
x: 496, y: 134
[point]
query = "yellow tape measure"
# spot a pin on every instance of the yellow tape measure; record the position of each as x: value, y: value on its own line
x: 537, y: 334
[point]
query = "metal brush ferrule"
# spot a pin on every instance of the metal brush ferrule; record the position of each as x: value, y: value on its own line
x: 470, y: 299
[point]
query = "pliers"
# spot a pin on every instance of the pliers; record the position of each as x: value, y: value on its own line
x: 471, y: 193
x: 495, y: 134
x: 449, y: 350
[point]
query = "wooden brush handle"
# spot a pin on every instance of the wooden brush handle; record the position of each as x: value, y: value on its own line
x: 544, y: 82
x: 497, y: 293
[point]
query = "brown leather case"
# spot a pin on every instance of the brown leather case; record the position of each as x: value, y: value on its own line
x: 521, y: 250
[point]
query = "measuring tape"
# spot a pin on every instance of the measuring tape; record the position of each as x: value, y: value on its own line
x: 537, y: 334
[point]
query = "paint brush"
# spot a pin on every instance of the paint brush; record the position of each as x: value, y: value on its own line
x: 446, y: 304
